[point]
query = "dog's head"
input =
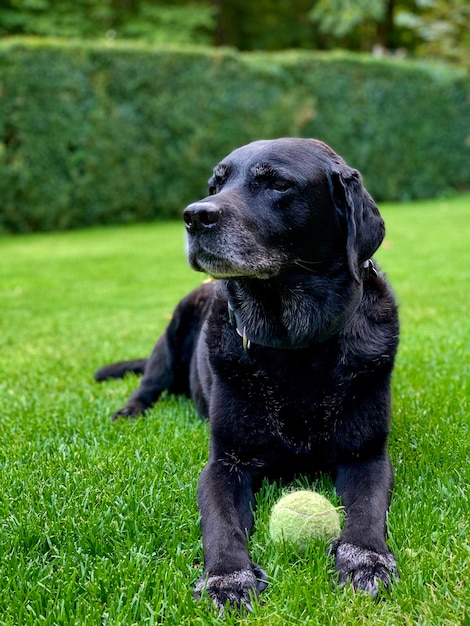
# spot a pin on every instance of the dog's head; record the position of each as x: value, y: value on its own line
x: 285, y: 205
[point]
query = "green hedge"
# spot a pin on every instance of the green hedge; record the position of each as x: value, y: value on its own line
x: 97, y: 134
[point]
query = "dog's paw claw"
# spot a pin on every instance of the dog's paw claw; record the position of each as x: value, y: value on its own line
x: 365, y: 569
x: 236, y: 590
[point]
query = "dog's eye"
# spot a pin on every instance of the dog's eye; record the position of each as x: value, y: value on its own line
x: 280, y: 185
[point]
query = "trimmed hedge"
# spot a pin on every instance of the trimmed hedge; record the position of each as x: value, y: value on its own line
x: 97, y: 134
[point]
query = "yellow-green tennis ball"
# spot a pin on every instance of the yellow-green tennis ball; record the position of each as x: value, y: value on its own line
x: 302, y: 516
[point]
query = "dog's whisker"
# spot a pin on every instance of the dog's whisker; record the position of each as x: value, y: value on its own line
x: 304, y: 264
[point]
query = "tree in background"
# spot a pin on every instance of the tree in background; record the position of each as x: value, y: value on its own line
x: 441, y: 29
x: 153, y: 21
x: 428, y: 28
x: 265, y: 24
x: 356, y: 23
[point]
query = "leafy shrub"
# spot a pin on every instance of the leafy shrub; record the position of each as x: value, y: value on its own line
x: 113, y: 134
x: 406, y: 126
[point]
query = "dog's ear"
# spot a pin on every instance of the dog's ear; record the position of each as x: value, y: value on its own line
x: 358, y: 212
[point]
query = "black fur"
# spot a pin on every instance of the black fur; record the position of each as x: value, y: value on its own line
x: 289, y: 353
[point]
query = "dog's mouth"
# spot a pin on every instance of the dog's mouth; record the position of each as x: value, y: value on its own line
x: 230, y: 266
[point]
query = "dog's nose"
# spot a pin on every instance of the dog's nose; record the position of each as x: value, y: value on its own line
x: 201, y: 216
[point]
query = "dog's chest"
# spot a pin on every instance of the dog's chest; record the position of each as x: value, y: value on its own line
x: 292, y: 400
x: 302, y: 426
x: 300, y: 408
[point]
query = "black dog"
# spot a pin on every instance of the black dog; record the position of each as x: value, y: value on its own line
x: 289, y: 353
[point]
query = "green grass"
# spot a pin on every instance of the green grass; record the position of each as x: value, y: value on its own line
x: 98, y: 520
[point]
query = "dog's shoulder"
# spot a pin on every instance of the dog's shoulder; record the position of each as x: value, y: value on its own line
x: 197, y: 302
x: 370, y: 338
x: 190, y: 314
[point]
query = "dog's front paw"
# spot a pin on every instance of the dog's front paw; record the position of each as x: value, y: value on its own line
x: 234, y: 590
x: 132, y: 410
x: 365, y: 569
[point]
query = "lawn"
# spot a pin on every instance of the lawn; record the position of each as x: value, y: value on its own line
x: 98, y: 520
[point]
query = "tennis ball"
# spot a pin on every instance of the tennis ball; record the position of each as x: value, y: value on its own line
x: 301, y: 516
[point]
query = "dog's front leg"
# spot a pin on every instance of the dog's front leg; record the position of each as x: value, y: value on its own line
x: 158, y: 376
x: 226, y: 501
x: 361, y: 554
